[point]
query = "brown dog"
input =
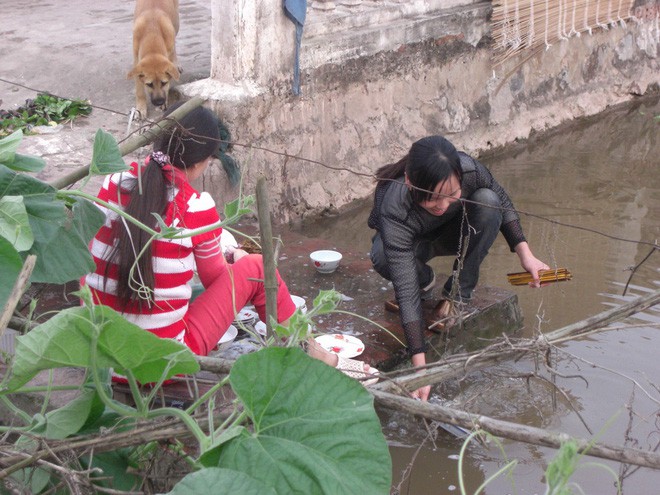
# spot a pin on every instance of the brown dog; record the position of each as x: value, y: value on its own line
x: 155, y: 26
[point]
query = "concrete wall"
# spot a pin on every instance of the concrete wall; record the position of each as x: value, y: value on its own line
x: 376, y: 78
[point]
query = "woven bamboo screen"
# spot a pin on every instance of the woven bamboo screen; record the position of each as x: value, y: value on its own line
x: 533, y: 24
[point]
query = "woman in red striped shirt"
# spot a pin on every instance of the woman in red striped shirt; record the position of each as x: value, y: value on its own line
x: 149, y: 281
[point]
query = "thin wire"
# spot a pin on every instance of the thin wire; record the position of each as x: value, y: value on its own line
x: 372, y: 176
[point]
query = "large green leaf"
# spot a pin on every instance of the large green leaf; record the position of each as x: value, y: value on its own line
x: 106, y: 158
x: 315, y: 429
x: 219, y: 480
x: 14, y: 222
x: 10, y: 266
x: 9, y: 145
x: 65, y: 421
x: 45, y: 212
x: 27, y: 163
x: 66, y: 256
x: 61, y: 234
x: 65, y: 341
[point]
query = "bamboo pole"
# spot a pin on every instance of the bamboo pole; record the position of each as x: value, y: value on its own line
x: 517, y: 432
x: 266, y: 234
x: 18, y: 290
x: 135, y: 142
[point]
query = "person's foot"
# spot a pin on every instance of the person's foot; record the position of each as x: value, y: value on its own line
x: 444, y: 316
x: 392, y: 306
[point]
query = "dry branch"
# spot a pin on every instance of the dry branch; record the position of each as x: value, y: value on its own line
x: 153, y: 431
x: 505, y: 349
x: 137, y: 141
x: 16, y: 293
x: 514, y: 431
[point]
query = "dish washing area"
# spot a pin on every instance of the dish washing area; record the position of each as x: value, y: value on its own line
x: 588, y: 193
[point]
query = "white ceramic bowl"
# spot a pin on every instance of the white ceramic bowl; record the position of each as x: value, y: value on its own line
x: 300, y: 303
x: 325, y: 260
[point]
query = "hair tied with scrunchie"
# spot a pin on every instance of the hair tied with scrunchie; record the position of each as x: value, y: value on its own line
x: 160, y: 158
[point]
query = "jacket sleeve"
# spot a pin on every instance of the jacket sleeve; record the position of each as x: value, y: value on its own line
x: 511, y: 228
x: 398, y: 233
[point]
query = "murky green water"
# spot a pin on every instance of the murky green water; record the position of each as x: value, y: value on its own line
x: 594, y: 191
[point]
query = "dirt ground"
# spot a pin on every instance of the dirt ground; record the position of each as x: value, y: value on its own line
x: 83, y: 50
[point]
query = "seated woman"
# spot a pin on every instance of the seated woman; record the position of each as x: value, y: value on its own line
x: 437, y: 201
x: 149, y: 281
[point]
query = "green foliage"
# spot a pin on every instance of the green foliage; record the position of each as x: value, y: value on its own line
x: 106, y: 157
x: 10, y: 267
x: 314, y: 430
x: 45, y: 109
x: 208, y: 480
x: 298, y: 424
x: 14, y: 222
x: 561, y: 469
x: 97, y: 337
x: 37, y: 219
x: 16, y: 161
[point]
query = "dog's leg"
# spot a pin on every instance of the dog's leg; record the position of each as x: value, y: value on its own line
x: 140, y: 99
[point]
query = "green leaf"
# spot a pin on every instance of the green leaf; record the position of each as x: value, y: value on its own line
x: 210, y: 480
x: 315, y: 429
x: 235, y: 209
x: 9, y: 145
x: 10, y: 266
x: 68, y: 419
x: 115, y: 472
x: 326, y: 302
x: 65, y: 256
x: 14, y: 222
x: 27, y: 163
x: 65, y: 341
x: 106, y: 157
x: 46, y: 214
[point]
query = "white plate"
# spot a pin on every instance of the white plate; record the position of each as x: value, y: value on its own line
x: 260, y: 327
x: 229, y: 335
x: 343, y: 345
x: 246, y: 316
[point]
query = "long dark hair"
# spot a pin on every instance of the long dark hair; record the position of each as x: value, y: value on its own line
x: 191, y: 141
x: 431, y: 160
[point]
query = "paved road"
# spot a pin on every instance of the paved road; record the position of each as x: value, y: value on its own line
x: 83, y: 49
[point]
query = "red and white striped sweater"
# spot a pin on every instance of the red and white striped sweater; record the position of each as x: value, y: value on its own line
x: 173, y: 259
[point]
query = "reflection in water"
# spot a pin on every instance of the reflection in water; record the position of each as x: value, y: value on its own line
x: 601, y: 174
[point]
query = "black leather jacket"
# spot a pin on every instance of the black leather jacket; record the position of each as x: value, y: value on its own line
x: 401, y: 222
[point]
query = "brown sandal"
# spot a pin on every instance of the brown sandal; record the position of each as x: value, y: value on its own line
x: 392, y: 306
x: 444, y: 316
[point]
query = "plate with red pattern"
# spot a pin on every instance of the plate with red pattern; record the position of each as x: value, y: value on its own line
x: 341, y: 344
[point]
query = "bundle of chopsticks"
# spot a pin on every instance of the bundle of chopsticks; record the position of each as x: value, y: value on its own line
x: 546, y: 276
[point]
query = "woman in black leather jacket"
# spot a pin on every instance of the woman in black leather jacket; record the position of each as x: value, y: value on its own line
x: 437, y: 201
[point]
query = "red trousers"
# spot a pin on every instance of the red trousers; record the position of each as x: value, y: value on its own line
x: 211, y: 313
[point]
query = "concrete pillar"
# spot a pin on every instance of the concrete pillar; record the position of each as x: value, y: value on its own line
x: 252, y: 42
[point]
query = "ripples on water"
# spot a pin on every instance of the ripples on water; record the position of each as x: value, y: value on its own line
x: 602, y: 174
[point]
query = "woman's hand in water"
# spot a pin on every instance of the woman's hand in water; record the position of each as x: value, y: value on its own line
x: 422, y: 393
x: 530, y: 263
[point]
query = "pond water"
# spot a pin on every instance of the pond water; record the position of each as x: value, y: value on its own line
x: 593, y: 191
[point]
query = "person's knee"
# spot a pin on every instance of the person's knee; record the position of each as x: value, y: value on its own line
x: 486, y: 205
x: 378, y: 260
